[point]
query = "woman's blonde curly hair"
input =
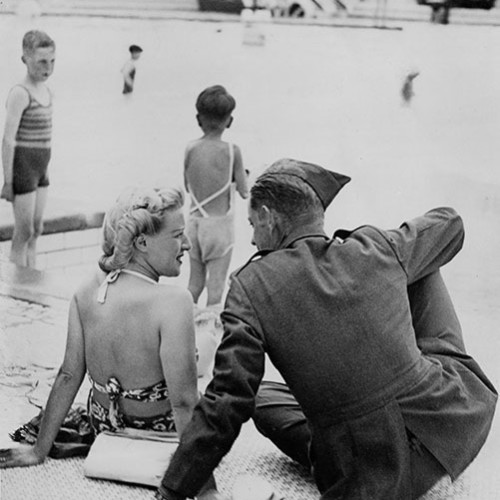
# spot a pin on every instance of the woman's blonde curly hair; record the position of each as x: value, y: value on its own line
x: 137, y: 211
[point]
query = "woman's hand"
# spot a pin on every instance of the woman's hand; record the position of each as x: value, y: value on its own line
x: 7, y: 192
x: 24, y: 456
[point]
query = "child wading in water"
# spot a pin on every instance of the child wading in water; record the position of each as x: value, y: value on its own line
x: 407, y: 91
x: 129, y: 68
x: 26, y: 146
x: 211, y: 168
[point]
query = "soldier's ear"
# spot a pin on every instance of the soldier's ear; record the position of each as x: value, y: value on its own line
x: 264, y: 213
x: 270, y: 217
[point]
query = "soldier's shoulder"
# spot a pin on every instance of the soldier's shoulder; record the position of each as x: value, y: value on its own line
x: 255, y: 258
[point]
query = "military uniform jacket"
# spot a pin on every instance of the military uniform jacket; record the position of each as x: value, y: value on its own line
x: 333, y: 316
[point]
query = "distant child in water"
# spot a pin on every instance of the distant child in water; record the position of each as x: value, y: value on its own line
x: 407, y: 91
x: 129, y: 69
x: 211, y: 168
x: 26, y: 146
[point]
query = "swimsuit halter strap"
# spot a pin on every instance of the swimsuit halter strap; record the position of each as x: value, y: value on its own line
x: 199, y: 205
x: 140, y: 275
x: 113, y: 276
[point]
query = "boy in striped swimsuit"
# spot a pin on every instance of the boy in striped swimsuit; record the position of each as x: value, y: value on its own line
x: 211, y: 168
x: 26, y: 146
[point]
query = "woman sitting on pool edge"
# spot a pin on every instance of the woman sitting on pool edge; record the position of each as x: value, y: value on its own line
x: 134, y: 337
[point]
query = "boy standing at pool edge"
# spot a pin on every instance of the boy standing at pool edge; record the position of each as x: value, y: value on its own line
x: 26, y: 146
x: 211, y: 168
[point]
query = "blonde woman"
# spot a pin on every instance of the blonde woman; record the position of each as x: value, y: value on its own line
x: 133, y: 337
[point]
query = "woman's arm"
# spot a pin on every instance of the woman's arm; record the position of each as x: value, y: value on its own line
x: 62, y: 395
x: 240, y: 175
x: 177, y: 352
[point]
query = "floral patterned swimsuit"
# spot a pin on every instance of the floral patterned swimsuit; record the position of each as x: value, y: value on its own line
x: 102, y: 419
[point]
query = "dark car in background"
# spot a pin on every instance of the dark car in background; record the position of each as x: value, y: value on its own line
x: 461, y: 4
x: 229, y: 6
x: 278, y: 8
x: 441, y: 8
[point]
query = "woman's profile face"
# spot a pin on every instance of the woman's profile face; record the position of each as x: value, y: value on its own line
x: 166, y: 248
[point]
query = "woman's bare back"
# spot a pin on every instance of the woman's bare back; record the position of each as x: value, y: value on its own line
x: 122, y: 336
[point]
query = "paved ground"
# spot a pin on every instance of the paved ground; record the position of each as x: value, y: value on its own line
x: 323, y: 94
x: 31, y: 345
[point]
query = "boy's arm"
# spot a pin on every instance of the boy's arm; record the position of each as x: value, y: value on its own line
x: 186, y: 165
x: 240, y: 176
x: 17, y: 102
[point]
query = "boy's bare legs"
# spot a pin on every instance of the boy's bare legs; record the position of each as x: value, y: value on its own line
x: 41, y: 202
x: 217, y: 274
x: 24, y: 206
x: 197, y: 278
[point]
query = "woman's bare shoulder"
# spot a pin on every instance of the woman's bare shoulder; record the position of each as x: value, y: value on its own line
x: 175, y: 293
x: 172, y: 300
x: 88, y: 286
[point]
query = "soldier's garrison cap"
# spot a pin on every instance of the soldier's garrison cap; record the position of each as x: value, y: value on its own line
x: 325, y: 183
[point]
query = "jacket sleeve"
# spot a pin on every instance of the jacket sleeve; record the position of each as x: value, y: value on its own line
x: 228, y: 402
x: 424, y: 244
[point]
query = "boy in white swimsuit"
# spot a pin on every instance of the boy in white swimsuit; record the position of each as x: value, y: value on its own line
x: 212, y: 168
x: 129, y: 69
x: 26, y: 146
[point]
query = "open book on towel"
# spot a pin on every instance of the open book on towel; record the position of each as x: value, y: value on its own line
x: 131, y: 455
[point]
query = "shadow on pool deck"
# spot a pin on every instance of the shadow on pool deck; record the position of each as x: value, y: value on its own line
x: 45, y: 287
x: 41, y: 287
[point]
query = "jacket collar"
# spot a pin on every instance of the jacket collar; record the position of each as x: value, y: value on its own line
x: 305, y: 231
